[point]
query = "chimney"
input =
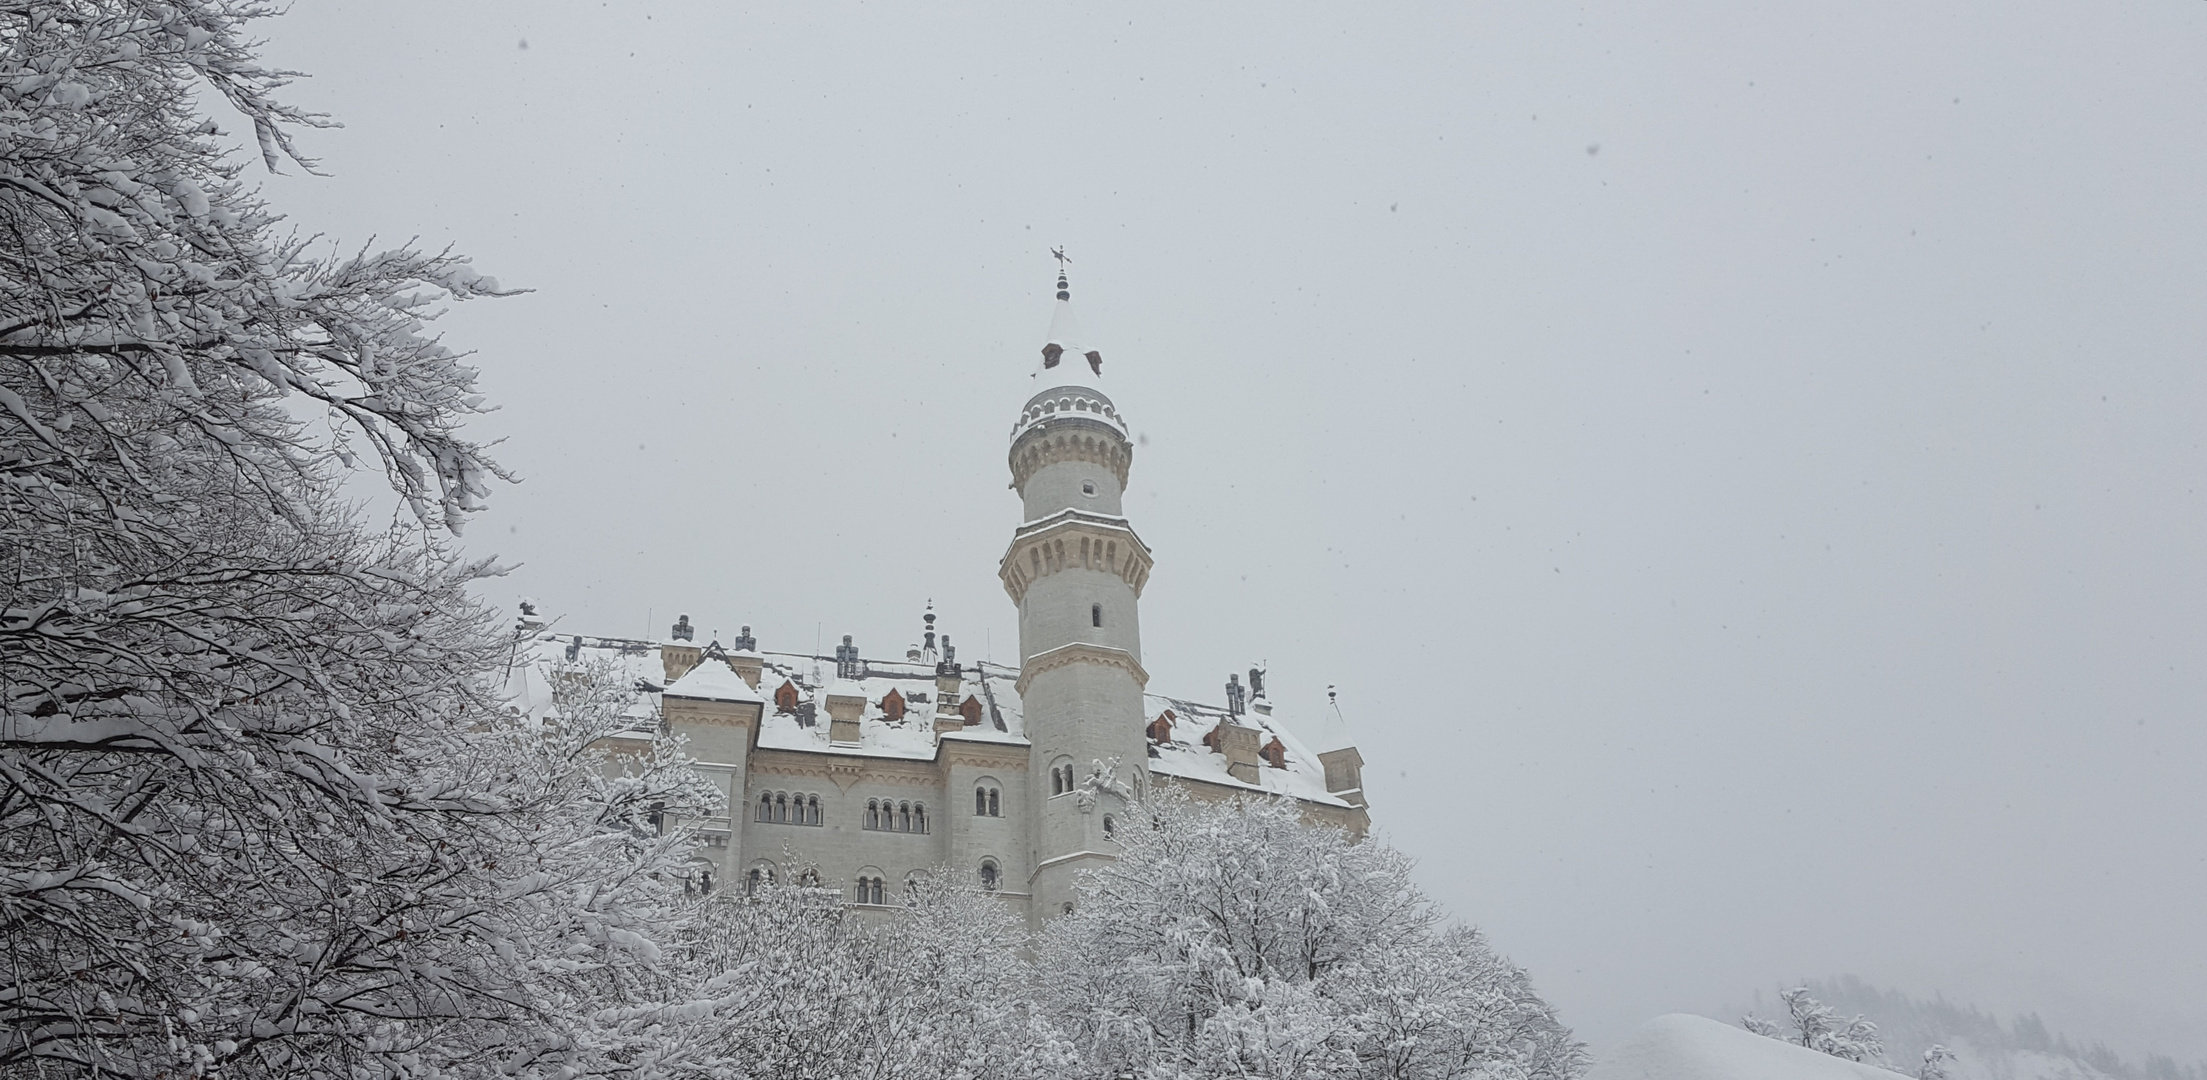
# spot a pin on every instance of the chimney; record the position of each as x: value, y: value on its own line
x: 1236, y: 701
x: 846, y: 703
x: 677, y: 655
x: 745, y: 660
x: 1239, y: 744
x: 947, y: 676
x: 847, y: 663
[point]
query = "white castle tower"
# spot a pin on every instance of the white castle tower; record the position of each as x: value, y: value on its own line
x: 1076, y: 571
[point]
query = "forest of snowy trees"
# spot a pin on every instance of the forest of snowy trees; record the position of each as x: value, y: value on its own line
x: 1981, y: 1045
x: 263, y: 812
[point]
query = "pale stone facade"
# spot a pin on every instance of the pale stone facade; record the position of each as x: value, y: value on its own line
x: 865, y: 772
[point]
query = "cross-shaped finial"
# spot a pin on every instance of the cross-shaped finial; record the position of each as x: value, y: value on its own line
x: 1058, y: 253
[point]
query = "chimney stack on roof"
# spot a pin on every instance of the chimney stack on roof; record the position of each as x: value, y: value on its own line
x: 1236, y: 702
x: 683, y: 631
x: 745, y: 642
x: 847, y: 663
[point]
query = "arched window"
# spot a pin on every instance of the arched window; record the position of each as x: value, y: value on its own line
x: 989, y: 875
x: 809, y: 879
x: 1111, y: 828
x: 766, y: 808
x: 781, y: 806
x: 751, y: 883
x: 980, y: 802
x: 911, y: 891
x: 996, y: 806
x: 904, y: 814
x: 870, y: 820
x: 1057, y: 781
x: 705, y: 881
x: 812, y: 809
x: 1095, y: 614
x: 919, y: 818
x: 872, y: 890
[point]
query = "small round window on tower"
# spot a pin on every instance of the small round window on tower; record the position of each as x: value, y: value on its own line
x: 1088, y: 488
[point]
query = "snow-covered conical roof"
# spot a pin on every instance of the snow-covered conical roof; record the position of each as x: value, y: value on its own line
x: 1067, y: 357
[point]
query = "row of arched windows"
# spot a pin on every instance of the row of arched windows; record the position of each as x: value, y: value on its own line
x: 764, y: 875
x: 1061, y: 779
x: 988, y: 802
x: 781, y: 807
x: 873, y: 888
x: 886, y: 815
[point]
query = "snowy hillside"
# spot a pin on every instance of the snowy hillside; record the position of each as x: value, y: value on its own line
x: 1683, y: 1047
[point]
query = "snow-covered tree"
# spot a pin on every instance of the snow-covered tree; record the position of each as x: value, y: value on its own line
x: 1934, y: 1066
x: 260, y: 810
x: 1233, y: 939
x: 1815, y: 1025
x: 793, y: 984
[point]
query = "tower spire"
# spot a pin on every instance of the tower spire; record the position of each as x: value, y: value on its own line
x: 1065, y: 337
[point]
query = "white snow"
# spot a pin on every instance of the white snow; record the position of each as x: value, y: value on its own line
x: 1683, y: 1047
x: 712, y: 680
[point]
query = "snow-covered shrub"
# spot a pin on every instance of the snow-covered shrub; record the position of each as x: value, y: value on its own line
x: 1232, y: 939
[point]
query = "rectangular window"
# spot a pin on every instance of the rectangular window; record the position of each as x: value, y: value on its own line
x: 1095, y: 614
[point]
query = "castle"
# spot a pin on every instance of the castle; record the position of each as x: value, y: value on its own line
x: 872, y: 771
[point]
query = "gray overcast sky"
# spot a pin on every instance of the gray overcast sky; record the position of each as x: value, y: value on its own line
x: 1740, y: 462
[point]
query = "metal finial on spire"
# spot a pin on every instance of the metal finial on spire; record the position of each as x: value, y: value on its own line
x: 1065, y: 291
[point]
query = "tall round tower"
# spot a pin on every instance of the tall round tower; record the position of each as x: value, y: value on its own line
x: 1076, y: 569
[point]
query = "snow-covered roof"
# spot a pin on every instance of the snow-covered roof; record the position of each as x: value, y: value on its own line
x: 712, y: 680
x: 1186, y: 757
x: 1072, y: 368
x: 638, y: 663
x: 529, y: 677
x: 805, y: 726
